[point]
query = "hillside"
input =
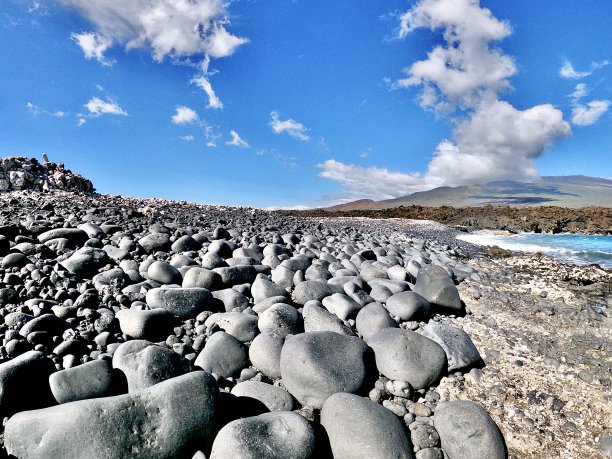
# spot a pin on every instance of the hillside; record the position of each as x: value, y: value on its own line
x: 573, y: 191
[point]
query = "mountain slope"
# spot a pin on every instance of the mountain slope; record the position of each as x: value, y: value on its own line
x: 573, y: 191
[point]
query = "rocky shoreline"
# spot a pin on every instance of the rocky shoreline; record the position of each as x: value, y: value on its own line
x: 544, y: 219
x: 339, y: 337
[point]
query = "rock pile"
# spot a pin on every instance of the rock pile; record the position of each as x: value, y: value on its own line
x: 21, y: 173
x: 155, y: 329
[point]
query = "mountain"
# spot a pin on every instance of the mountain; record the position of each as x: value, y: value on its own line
x: 571, y: 191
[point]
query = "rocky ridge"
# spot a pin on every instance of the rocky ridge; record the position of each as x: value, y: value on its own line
x: 21, y: 173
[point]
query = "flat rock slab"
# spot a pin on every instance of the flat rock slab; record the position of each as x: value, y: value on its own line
x: 185, y: 303
x: 315, y: 365
x: 467, y: 431
x: 407, y: 356
x: 359, y: 428
x: 281, y: 434
x: 171, y: 419
x: 460, y: 350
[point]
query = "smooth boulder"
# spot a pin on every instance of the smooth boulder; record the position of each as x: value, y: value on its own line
x: 185, y: 303
x: 175, y: 418
x: 460, y: 350
x: 223, y: 355
x: 90, y: 380
x: 436, y: 286
x: 409, y: 306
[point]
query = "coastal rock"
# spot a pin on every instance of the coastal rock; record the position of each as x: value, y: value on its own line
x: 435, y: 285
x: 185, y: 303
x: 223, y: 355
x: 171, y: 419
x: 90, y: 380
x: 457, y: 344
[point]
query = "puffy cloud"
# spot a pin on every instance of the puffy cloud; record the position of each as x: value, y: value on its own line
x: 168, y: 27
x: 290, y: 126
x: 498, y: 142
x: 466, y: 69
x: 357, y: 182
x: 188, y: 138
x: 567, y: 70
x: 203, y: 83
x: 184, y: 115
x: 585, y: 115
x: 94, y: 46
x: 97, y: 107
x: 237, y: 141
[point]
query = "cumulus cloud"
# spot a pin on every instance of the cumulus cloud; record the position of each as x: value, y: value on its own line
x: 289, y: 126
x: 203, y: 83
x: 176, y: 28
x: 184, y: 115
x: 237, y: 141
x: 94, y: 46
x: 462, y: 78
x: 97, y: 107
x: 567, y: 70
x: 585, y: 115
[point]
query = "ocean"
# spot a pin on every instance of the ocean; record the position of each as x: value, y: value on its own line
x: 576, y: 249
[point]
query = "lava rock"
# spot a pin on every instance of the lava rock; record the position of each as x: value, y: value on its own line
x: 435, y: 285
x: 457, y: 344
x: 409, y: 306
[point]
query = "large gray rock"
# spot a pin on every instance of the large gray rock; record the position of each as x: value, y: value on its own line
x: 436, y: 286
x: 90, y: 380
x: 241, y: 326
x: 233, y: 275
x: 154, y: 242
x: 185, y: 303
x: 315, y: 365
x: 372, y: 319
x: 342, y: 306
x: 86, y: 261
x: 202, y: 278
x: 361, y: 429
x: 164, y: 273
x: 154, y: 325
x: 264, y: 288
x: 231, y: 299
x: 407, y: 356
x: 313, y: 290
x: 223, y: 355
x: 467, y: 431
x: 76, y: 236
x: 460, y: 350
x: 146, y: 364
x: 317, y: 318
x: 24, y: 383
x: 274, y: 398
x: 281, y: 319
x: 175, y: 418
x: 265, y: 352
x: 409, y: 306
x: 280, y: 434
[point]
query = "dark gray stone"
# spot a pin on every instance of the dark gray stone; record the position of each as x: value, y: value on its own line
x: 313, y: 290
x: 154, y: 325
x: 76, y: 236
x: 86, y: 261
x: 435, y: 285
x: 265, y: 352
x: 460, y: 350
x: 408, y: 356
x: 467, y: 431
x: 201, y: 278
x: 154, y: 242
x: 175, y: 418
x: 185, y: 244
x: 231, y: 299
x: 342, y: 306
x: 315, y: 365
x: 264, y: 288
x: 372, y: 319
x: 233, y: 275
x: 185, y: 303
x: 281, y: 319
x: 24, y: 383
x: 90, y: 380
x: 317, y: 318
x: 241, y: 326
x: 409, y: 306
x: 223, y: 355
x: 267, y: 436
x: 15, y: 260
x: 164, y: 273
x: 274, y: 398
x: 361, y: 429
x: 146, y: 364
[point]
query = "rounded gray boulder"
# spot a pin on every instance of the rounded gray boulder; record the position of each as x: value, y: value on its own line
x: 409, y: 306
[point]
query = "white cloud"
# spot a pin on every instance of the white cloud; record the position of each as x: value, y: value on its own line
x: 237, y: 141
x: 290, y: 126
x: 585, y: 115
x: 168, y: 27
x: 322, y: 145
x: 97, y: 107
x: 465, y: 70
x: 94, y: 46
x: 187, y: 138
x: 36, y: 110
x: 81, y: 121
x: 204, y: 84
x: 567, y: 70
x: 295, y: 207
x: 184, y: 115
x: 357, y: 182
x: 580, y: 91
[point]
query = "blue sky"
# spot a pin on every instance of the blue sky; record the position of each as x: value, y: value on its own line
x: 287, y: 103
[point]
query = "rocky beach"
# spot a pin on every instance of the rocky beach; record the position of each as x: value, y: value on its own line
x: 153, y: 328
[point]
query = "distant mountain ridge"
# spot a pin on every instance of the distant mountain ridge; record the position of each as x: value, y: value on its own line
x: 571, y: 191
